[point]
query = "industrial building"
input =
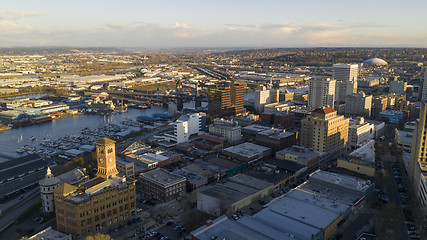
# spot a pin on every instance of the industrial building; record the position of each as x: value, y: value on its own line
x: 238, y: 192
x: 313, y: 210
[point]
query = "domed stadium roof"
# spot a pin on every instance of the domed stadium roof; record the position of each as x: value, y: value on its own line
x: 375, y: 61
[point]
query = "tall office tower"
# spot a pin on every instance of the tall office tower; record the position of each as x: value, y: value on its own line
x: 226, y: 99
x: 358, y: 104
x: 321, y: 92
x: 424, y: 88
x: 344, y: 89
x: 418, y: 163
x: 345, y: 72
x: 103, y: 202
x: 324, y: 130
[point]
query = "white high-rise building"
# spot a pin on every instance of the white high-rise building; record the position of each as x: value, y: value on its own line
x: 262, y: 97
x: 184, y: 127
x: 321, y: 92
x: 344, y: 89
x: 265, y: 96
x: 345, y: 72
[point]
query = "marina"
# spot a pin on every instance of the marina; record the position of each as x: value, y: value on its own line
x: 59, y: 135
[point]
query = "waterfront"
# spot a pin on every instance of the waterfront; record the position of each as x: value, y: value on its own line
x: 13, y: 139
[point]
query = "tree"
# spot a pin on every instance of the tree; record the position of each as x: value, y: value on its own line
x: 99, y: 236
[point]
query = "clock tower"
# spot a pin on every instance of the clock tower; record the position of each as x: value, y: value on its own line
x: 106, y: 157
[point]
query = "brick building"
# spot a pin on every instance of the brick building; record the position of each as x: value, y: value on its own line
x: 162, y: 185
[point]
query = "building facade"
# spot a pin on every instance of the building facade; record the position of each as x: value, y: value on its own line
x: 321, y: 93
x: 228, y: 129
x: 185, y: 126
x: 46, y: 188
x: 418, y: 162
x: 226, y: 99
x: 100, y: 203
x: 344, y: 89
x: 265, y: 96
x: 358, y: 104
x: 345, y: 72
x: 324, y: 130
x: 360, y: 133
x: 162, y: 185
x: 398, y: 87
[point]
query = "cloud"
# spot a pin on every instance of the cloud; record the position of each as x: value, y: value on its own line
x: 8, y: 27
x: 12, y: 14
x: 152, y: 35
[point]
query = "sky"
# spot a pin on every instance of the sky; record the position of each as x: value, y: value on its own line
x: 208, y: 24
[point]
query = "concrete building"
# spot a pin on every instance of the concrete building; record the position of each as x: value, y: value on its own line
x: 345, y: 72
x: 126, y: 168
x: 398, y: 87
x: 248, y: 152
x: 262, y: 97
x: 344, y: 89
x: 365, y: 84
x: 284, y: 120
x: 299, y: 155
x: 276, y: 139
x: 418, y: 162
x: 279, y: 107
x: 360, y: 133
x: 378, y: 128
x: 226, y: 99
x: 321, y: 92
x: 265, y: 96
x: 249, y: 132
x: 324, y: 130
x: 162, y: 185
x: 100, y: 203
x: 185, y: 126
x: 404, y: 139
x: 228, y: 129
x: 238, y: 192
x: 156, y: 158
x: 358, y: 104
x: 361, y: 160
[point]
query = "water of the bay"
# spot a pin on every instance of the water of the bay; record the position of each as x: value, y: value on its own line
x: 13, y: 139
